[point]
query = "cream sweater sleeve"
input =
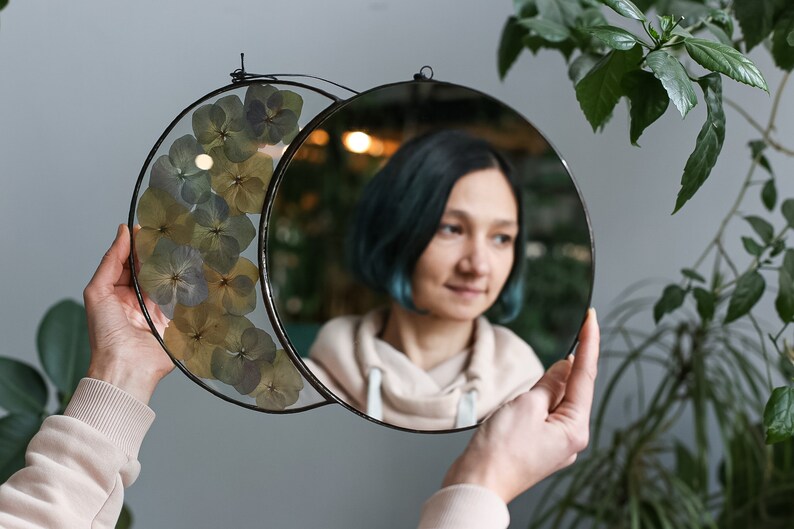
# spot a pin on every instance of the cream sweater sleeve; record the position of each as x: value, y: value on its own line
x: 78, y: 464
x: 464, y: 507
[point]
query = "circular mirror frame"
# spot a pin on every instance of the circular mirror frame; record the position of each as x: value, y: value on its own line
x: 277, y: 178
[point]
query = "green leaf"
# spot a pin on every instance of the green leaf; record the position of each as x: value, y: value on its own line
x: 686, y: 466
x: 782, y: 41
x: 510, y: 45
x: 723, y: 20
x: 561, y: 11
x: 581, y: 65
x: 749, y: 289
x: 705, y: 303
x: 693, y: 275
x: 16, y: 431
x: 672, y: 298
x: 62, y: 341
x: 779, y: 415
x: 757, y: 147
x: 666, y: 24
x: 756, y: 18
x: 675, y: 80
x: 777, y: 248
x: 761, y: 227
x: 614, y: 37
x: 22, y: 388
x: 788, y: 211
x: 648, y: 99
x: 3, y: 3
x: 708, y: 143
x: 566, y: 47
x: 626, y: 8
x: 752, y: 247
x: 125, y: 518
x: 725, y: 60
x: 547, y: 29
x: 719, y: 33
x: 599, y: 91
x: 784, y: 302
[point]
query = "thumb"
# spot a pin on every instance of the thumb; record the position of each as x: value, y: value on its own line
x: 552, y: 384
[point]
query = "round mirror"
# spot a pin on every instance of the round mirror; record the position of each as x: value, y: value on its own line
x: 426, y: 252
x: 198, y: 200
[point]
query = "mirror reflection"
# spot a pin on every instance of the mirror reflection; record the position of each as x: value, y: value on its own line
x: 427, y: 251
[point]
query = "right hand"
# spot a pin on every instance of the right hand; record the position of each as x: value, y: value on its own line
x: 538, y: 432
x: 124, y: 352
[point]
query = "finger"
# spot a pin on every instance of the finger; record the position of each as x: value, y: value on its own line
x: 551, y: 386
x: 112, y: 264
x: 581, y: 383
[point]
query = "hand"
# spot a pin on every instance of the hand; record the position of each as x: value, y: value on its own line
x: 539, y: 432
x: 124, y: 352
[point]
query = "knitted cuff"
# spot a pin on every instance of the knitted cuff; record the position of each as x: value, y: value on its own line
x: 113, y: 412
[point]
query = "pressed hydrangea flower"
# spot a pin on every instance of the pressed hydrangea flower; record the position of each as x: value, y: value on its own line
x: 219, y: 236
x: 161, y: 216
x: 242, y: 185
x: 272, y: 114
x: 234, y: 290
x: 195, y: 331
x: 239, y: 365
x: 178, y: 174
x: 222, y: 124
x: 280, y: 384
x: 173, y: 274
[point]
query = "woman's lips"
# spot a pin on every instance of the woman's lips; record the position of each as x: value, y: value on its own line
x: 466, y: 291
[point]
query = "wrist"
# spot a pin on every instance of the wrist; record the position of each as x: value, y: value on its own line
x: 137, y: 382
x: 474, y: 470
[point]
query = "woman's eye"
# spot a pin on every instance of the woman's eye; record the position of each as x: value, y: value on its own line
x: 503, y: 238
x: 450, y: 229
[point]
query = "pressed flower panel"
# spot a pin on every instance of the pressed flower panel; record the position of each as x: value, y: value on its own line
x: 198, y: 204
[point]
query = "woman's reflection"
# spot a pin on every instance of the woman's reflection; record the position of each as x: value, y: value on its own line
x: 439, y: 229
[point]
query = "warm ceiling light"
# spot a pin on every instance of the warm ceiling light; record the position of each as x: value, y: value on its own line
x: 203, y: 162
x: 318, y: 137
x: 358, y: 142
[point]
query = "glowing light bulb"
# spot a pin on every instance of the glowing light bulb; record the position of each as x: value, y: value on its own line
x: 358, y: 142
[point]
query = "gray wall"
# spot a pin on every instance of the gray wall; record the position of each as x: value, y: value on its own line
x: 88, y: 86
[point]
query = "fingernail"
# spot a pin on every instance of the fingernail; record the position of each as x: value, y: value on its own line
x: 593, y: 312
x: 569, y: 357
x: 118, y: 231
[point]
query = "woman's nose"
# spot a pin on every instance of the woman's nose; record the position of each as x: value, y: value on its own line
x: 475, y: 260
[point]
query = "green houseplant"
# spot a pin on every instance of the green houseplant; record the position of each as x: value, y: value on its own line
x: 25, y: 392
x: 706, y: 440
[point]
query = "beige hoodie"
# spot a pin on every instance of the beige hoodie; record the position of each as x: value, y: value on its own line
x: 497, y: 368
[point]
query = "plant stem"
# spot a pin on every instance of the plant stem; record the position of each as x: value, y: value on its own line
x: 717, y: 240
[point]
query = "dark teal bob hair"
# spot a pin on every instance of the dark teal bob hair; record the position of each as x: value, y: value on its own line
x: 401, y: 207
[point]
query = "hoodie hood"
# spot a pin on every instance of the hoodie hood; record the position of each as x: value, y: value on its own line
x: 347, y: 357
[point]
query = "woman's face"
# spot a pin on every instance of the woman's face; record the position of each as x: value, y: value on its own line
x: 464, y: 267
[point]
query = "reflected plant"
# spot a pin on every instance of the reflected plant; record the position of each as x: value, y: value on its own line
x: 220, y: 236
x: 178, y: 174
x: 174, y: 274
x: 280, y: 383
x: 242, y: 185
x: 233, y: 291
x: 160, y: 216
x: 222, y: 125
